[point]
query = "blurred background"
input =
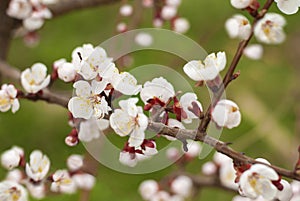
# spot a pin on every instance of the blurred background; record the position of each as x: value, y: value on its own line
x: 267, y: 93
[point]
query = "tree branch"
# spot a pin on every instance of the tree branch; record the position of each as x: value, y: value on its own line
x: 220, y: 146
x: 14, y: 74
x: 66, y: 6
x: 230, y: 73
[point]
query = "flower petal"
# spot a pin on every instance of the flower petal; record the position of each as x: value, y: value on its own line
x: 80, y: 108
x: 121, y: 122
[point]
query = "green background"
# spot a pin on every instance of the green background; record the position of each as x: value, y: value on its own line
x: 267, y: 92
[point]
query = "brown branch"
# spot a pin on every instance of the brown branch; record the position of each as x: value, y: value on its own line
x: 220, y: 146
x: 66, y: 6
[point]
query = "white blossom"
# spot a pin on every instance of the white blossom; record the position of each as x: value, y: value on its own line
x: 33, y: 23
x: 121, y: 27
x: 19, y: 9
x: 172, y: 154
x: 227, y: 175
x: 128, y: 159
x: 90, y: 129
x: 11, y: 158
x: 130, y: 120
x: 161, y: 196
x: 209, y: 168
x: 35, y: 78
x: 38, y: 166
x: 194, y: 149
x: 158, y: 23
x: 89, y: 61
x: 14, y: 175
x: 269, y: 29
x: 226, y: 114
x: 238, y: 26
x: 288, y: 7
x: 286, y: 193
x: 208, y: 70
x: 8, y: 98
x: 181, y: 25
x: 143, y: 39
x: 254, y: 51
x: 66, y: 72
x: 84, y: 181
x: 88, y: 102
x: 190, y: 105
x: 12, y: 191
x: 182, y: 185
x: 37, y: 191
x: 168, y: 12
x: 257, y: 181
x: 125, y: 83
x: 62, y: 182
x: 159, y: 88
x: 75, y: 162
x: 240, y: 4
x: 126, y: 10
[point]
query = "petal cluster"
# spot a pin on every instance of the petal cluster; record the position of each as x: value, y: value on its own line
x: 8, y: 98
x: 206, y: 70
x: 226, y: 114
x: 130, y: 120
x: 238, y: 26
x: 35, y: 78
x: 269, y: 29
x: 32, y: 12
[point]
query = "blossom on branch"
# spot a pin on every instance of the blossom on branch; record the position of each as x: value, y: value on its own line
x: 8, y: 98
x: 182, y: 185
x: 191, y: 106
x: 226, y: 114
x: 253, y: 51
x: 35, y: 78
x: 130, y: 120
x: 262, y: 181
x: 269, y: 29
x: 65, y: 70
x: 38, y: 166
x: 62, y: 182
x: 11, y: 158
x: 148, y: 189
x: 90, y: 61
x: 90, y: 129
x: 88, y: 102
x: 158, y: 88
x: 12, y: 191
x: 208, y: 70
x: 241, y: 4
x: 238, y: 26
x: 288, y: 7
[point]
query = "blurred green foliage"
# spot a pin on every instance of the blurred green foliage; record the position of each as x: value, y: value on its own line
x: 272, y: 82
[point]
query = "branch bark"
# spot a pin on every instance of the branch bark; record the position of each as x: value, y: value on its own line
x: 66, y: 6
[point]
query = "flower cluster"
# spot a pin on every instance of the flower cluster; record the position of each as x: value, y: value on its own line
x: 268, y: 30
x: 32, y: 177
x: 179, y: 189
x: 222, y: 166
x: 260, y: 180
x: 164, y: 13
x: 32, y: 12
